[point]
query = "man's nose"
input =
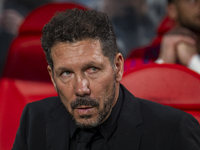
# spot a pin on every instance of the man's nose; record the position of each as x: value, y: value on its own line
x: 82, y: 86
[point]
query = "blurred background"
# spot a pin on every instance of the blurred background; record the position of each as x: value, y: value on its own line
x: 25, y: 78
x: 135, y: 21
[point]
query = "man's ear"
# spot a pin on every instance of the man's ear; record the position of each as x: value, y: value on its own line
x: 119, y: 67
x: 172, y: 11
x: 51, y: 76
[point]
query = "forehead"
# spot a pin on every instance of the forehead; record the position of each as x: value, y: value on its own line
x: 77, y: 52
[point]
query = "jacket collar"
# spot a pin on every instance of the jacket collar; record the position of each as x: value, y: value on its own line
x: 128, y: 135
x: 57, y: 137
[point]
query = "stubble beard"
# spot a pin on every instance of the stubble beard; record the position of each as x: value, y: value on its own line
x: 103, y: 114
x: 87, y: 101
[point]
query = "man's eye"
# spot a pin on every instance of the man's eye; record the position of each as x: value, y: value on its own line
x: 92, y: 69
x: 65, y: 73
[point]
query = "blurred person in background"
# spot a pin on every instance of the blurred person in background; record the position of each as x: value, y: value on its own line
x: 134, y: 21
x: 180, y: 45
x: 12, y: 14
x: 132, y: 24
x: 11, y: 17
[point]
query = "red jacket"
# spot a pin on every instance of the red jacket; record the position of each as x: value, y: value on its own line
x: 148, y: 54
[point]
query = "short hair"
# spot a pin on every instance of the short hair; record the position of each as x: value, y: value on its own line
x: 74, y: 25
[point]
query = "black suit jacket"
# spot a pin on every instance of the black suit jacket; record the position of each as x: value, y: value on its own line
x: 143, y: 125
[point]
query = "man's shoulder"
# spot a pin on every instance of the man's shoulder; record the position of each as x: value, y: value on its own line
x: 168, y: 126
x: 157, y: 113
x: 154, y: 111
x: 151, y: 107
x: 47, y: 102
x: 43, y: 106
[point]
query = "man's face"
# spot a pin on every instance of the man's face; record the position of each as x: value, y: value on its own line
x: 85, y: 80
x: 188, y: 14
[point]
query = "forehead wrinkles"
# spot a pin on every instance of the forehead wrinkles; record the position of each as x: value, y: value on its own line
x: 77, y: 51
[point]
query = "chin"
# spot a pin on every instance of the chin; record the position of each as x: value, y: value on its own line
x: 87, y: 122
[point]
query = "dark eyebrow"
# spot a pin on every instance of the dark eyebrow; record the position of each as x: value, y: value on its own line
x: 85, y: 66
x: 92, y: 64
x: 62, y: 68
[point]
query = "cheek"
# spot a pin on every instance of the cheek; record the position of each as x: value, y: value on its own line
x: 103, y: 87
x: 65, y: 89
x: 65, y: 94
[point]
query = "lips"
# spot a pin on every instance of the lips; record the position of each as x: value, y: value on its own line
x: 84, y: 110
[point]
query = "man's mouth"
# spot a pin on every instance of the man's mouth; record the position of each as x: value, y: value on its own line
x: 84, y: 110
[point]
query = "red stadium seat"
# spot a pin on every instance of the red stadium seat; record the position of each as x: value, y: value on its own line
x: 168, y: 84
x: 25, y: 77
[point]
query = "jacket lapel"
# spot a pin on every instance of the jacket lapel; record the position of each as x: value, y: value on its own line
x: 57, y: 129
x: 128, y: 135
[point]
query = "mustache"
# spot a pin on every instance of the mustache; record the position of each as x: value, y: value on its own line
x: 84, y: 101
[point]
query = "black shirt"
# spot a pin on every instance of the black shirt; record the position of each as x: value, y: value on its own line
x: 106, y: 137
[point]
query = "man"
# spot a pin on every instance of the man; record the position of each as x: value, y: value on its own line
x: 180, y: 44
x: 93, y: 111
